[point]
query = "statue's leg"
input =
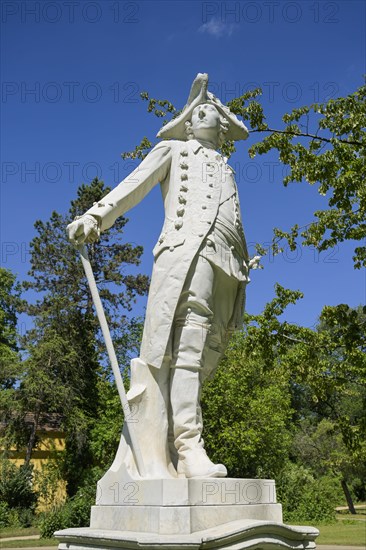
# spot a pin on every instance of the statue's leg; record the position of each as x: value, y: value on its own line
x: 192, y: 458
x: 192, y: 326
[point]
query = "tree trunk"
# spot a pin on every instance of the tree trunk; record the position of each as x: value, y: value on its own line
x: 347, y: 494
x: 32, y: 437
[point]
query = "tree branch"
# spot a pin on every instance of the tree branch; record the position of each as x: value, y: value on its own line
x: 305, y: 134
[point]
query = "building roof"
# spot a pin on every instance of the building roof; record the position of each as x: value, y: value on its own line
x: 48, y: 422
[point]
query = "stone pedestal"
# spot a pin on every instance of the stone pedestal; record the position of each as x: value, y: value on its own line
x: 192, y: 513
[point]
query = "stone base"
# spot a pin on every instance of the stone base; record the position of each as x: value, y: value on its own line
x: 188, y: 513
x: 177, y: 520
x: 183, y: 506
x: 236, y: 535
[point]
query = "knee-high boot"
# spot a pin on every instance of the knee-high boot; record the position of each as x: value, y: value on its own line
x: 193, y: 461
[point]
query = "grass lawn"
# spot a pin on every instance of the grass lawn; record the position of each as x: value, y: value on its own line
x: 23, y: 532
x: 348, y: 533
x: 344, y: 531
x: 18, y: 531
x: 30, y: 543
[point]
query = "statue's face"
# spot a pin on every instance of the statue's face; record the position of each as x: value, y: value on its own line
x: 205, y: 121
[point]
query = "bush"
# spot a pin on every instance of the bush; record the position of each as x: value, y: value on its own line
x: 75, y: 512
x: 15, y: 517
x: 16, y: 486
x: 307, y: 499
x: 17, y: 497
x: 4, y: 515
x: 54, y: 520
x: 26, y: 517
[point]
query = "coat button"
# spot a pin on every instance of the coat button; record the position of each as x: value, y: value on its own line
x: 200, y: 234
x: 184, y: 153
x: 209, y: 196
x: 184, y: 177
x: 171, y: 249
x: 204, y: 207
x: 210, y: 184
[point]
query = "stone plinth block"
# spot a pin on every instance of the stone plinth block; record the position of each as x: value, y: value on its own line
x: 175, y: 520
x: 183, y: 506
x: 186, y: 492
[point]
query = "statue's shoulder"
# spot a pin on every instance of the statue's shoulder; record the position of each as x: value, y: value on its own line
x: 173, y: 144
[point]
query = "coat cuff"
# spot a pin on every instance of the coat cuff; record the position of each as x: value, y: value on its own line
x: 103, y: 211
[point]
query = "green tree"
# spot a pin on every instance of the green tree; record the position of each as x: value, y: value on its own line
x: 247, y: 415
x: 9, y: 306
x: 327, y: 382
x: 333, y: 402
x: 9, y: 352
x: 319, y: 445
x: 65, y: 355
x: 324, y: 145
x: 330, y: 364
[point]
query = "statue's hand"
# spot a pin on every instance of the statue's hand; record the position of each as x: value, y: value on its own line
x: 84, y: 229
x: 254, y: 262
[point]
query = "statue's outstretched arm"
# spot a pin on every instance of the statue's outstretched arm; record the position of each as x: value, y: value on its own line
x: 153, y: 169
x: 102, y: 215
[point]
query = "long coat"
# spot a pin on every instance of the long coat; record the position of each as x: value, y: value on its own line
x: 194, y: 180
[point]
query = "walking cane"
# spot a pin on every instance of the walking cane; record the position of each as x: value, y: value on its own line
x: 112, y: 357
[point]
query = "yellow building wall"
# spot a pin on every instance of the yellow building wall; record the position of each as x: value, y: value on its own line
x: 45, y: 460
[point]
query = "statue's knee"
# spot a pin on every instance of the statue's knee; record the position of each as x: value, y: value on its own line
x: 194, y: 310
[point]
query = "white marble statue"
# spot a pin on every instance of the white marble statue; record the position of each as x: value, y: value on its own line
x: 197, y: 289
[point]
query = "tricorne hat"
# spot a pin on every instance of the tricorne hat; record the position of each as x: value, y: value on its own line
x: 176, y: 129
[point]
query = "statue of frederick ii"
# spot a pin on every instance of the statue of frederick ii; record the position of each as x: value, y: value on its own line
x: 197, y: 291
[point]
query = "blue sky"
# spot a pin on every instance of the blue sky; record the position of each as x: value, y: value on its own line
x: 71, y: 77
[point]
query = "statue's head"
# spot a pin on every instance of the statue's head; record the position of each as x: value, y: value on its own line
x: 207, y: 124
x: 203, y: 115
